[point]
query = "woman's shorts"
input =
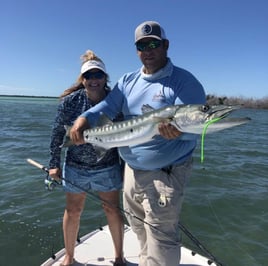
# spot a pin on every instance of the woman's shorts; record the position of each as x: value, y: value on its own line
x: 82, y: 180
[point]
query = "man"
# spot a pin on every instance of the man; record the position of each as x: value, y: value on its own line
x: 156, y: 171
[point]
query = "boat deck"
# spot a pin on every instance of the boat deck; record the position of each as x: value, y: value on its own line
x: 96, y: 248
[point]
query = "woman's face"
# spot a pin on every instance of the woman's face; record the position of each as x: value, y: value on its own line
x: 94, y: 80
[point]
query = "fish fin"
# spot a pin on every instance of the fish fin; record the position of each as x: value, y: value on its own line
x: 158, y: 119
x: 146, y: 108
x: 173, y: 123
x: 100, y: 152
x: 104, y: 120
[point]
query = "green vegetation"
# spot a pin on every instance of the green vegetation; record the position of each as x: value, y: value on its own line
x: 245, y: 102
x: 211, y: 99
x: 28, y: 96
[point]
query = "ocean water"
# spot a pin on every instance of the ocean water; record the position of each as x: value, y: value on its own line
x: 225, y: 208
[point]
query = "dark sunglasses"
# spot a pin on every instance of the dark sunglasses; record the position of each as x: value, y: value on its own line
x: 95, y: 75
x: 142, y: 46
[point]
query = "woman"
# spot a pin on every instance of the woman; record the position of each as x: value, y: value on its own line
x: 81, y: 165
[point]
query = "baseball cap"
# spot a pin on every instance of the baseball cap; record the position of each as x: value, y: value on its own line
x: 149, y: 29
x: 91, y: 64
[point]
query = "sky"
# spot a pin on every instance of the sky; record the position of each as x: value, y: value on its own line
x: 224, y: 43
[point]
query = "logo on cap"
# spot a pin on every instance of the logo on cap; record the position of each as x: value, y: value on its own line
x: 94, y: 63
x: 146, y: 29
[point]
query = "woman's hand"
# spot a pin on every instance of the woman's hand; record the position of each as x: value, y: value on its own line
x: 55, y: 173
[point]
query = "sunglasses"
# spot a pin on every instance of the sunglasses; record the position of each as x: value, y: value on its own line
x: 94, y: 75
x: 142, y: 46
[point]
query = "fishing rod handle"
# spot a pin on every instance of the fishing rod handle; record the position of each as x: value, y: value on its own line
x: 38, y: 165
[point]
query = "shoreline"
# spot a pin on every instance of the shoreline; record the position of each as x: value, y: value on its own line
x: 28, y: 96
x: 211, y: 100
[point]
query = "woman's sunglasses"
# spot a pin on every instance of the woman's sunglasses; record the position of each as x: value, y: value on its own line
x: 94, y: 75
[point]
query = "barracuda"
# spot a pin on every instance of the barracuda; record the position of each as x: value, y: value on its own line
x: 141, y: 129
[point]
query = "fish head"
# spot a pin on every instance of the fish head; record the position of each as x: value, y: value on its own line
x: 217, y: 111
x: 192, y: 118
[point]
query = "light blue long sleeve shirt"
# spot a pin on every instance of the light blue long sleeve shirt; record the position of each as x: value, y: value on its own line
x: 170, y: 85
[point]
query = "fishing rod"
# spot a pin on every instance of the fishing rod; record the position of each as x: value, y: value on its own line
x: 51, y: 183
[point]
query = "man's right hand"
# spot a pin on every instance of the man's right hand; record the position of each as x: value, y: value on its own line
x: 76, y: 132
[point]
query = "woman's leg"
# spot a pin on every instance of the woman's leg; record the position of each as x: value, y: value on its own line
x: 115, y: 222
x: 71, y: 221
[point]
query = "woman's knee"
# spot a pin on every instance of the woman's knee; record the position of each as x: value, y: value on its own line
x: 111, y: 209
x: 73, y: 212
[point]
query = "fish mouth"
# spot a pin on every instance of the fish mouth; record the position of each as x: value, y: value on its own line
x: 220, y: 111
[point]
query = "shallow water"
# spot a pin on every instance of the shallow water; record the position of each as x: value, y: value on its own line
x: 225, y: 206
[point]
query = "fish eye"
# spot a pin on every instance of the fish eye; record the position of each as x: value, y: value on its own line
x: 205, y: 108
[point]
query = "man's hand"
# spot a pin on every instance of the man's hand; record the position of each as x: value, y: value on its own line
x: 168, y: 131
x: 76, y: 132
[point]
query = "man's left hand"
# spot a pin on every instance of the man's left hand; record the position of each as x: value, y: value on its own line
x: 168, y: 131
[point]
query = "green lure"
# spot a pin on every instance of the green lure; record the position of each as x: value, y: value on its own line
x: 203, y: 135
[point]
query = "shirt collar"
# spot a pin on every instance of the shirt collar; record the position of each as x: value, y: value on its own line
x: 166, y: 71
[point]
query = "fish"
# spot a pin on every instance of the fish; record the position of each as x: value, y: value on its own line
x: 141, y: 129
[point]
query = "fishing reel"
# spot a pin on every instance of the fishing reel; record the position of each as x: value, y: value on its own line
x: 50, y: 183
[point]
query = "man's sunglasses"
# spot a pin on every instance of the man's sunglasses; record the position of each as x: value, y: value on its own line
x: 142, y: 46
x: 94, y: 75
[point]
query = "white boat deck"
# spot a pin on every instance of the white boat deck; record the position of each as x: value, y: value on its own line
x: 96, y: 248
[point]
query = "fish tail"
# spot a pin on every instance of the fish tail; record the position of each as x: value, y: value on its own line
x: 66, y: 143
x: 68, y: 130
x: 67, y: 140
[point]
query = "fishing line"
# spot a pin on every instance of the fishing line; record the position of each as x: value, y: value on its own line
x: 225, y: 235
x: 215, y: 215
x: 204, y: 133
x: 123, y: 211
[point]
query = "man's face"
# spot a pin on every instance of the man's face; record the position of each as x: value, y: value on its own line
x: 152, y: 53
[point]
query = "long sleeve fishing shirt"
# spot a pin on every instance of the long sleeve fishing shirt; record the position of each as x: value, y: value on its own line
x: 170, y: 85
x: 82, y: 156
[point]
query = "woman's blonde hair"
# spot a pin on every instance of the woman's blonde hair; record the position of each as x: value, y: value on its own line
x: 87, y: 56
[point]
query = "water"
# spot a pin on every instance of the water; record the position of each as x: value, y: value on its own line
x: 225, y: 207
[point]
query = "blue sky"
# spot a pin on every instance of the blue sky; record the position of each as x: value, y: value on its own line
x: 223, y: 43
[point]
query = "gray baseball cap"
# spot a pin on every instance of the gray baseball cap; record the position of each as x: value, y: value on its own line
x: 150, y: 29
